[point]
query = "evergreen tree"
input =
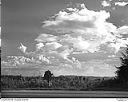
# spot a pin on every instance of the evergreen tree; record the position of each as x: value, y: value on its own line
x: 122, y: 71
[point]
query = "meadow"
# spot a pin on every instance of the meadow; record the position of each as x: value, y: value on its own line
x: 81, y: 83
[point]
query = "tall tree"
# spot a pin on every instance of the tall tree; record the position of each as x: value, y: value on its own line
x: 48, y: 76
x: 122, y: 71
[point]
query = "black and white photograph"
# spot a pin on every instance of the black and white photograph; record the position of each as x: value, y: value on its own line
x: 64, y: 48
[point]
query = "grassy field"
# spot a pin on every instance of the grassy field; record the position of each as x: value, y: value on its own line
x: 77, y: 83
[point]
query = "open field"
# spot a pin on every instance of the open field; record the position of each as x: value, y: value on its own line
x: 61, y: 82
x: 62, y: 86
x: 60, y: 93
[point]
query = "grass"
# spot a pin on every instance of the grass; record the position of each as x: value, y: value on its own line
x: 80, y: 83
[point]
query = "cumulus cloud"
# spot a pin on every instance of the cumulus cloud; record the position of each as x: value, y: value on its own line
x: 51, y: 53
x: 36, y: 56
x: 85, y: 30
x: 80, y: 21
x: 123, y: 30
x: 79, y: 31
x: 105, y: 3
x: 121, y: 3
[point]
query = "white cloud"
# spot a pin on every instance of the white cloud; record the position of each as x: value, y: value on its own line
x: 39, y: 46
x: 46, y: 38
x: 52, y: 46
x: 81, y: 44
x: 81, y: 21
x: 64, y: 54
x: 105, y: 3
x: 47, y: 46
x: 44, y: 59
x: 118, y: 44
x: 14, y: 61
x: 36, y: 56
x: 61, y: 54
x: 77, y: 43
x: 121, y: 3
x: 123, y: 30
x: 86, y: 30
x: 22, y: 48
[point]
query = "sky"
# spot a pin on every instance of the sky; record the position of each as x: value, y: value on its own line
x: 68, y: 37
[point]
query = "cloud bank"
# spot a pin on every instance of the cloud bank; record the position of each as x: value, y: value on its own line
x: 78, y: 31
x: 86, y: 30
